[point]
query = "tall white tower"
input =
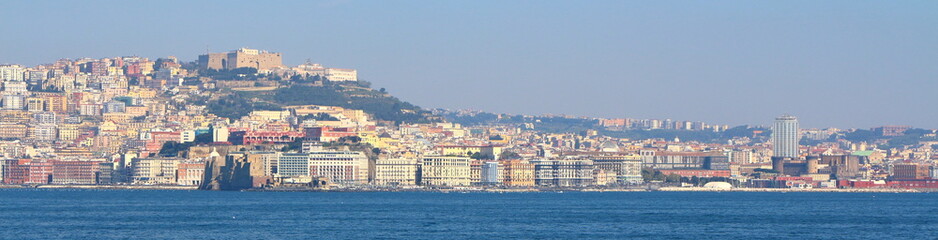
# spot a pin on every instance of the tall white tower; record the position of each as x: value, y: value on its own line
x: 785, y: 137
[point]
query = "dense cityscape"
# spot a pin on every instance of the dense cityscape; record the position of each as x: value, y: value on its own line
x: 242, y: 120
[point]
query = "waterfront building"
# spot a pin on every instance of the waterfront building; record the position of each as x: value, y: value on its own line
x: 563, y: 172
x: 396, y: 172
x: 263, y: 163
x: 293, y: 165
x: 339, y: 167
x: 684, y: 160
x: 475, y: 172
x: 155, y: 171
x: 517, y: 173
x: 627, y: 169
x: 445, y: 171
x: 910, y: 171
x: 190, y: 173
x: 491, y: 173
x: 80, y: 172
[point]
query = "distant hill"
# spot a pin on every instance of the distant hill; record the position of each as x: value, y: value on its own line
x: 580, y: 125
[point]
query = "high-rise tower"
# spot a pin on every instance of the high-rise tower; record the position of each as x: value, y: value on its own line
x: 785, y: 137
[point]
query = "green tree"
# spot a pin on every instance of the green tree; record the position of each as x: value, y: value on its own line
x: 481, y: 156
x: 172, y: 148
x: 673, y: 178
x: 509, y: 155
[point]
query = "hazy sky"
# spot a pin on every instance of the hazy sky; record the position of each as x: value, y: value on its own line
x: 831, y: 63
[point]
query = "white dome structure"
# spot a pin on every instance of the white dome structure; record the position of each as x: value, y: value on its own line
x: 718, y: 185
x: 609, y: 146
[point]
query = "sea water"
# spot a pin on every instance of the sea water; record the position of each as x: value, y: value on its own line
x: 154, y: 214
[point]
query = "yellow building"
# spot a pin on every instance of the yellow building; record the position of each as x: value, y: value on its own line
x: 107, y: 126
x: 56, y: 103
x: 116, y: 117
x: 135, y: 111
x: 13, y: 130
x: 141, y: 93
x: 518, y: 173
x: 445, y: 171
x: 68, y: 132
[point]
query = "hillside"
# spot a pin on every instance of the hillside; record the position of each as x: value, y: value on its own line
x: 353, y: 95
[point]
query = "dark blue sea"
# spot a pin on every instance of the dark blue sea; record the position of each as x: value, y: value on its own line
x: 150, y: 214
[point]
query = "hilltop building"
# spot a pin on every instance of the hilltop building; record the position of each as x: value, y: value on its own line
x: 241, y: 58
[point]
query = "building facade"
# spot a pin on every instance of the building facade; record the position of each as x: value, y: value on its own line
x: 241, y: 58
x: 396, y: 172
x: 518, y: 173
x: 563, y: 172
x: 445, y: 171
x: 785, y: 137
x: 339, y: 167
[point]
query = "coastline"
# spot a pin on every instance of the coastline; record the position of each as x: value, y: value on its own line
x: 104, y: 187
x: 481, y: 190
x: 848, y: 190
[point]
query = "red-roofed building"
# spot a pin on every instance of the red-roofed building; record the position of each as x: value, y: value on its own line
x: 261, y: 137
x: 329, y: 134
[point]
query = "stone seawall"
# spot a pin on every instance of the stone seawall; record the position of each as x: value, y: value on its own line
x: 115, y: 187
x: 700, y: 189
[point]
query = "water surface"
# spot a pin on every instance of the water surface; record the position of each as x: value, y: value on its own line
x: 153, y: 214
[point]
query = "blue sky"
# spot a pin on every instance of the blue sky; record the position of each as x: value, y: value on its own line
x: 831, y: 63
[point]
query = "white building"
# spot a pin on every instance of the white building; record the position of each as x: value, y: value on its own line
x: 14, y: 87
x: 187, y: 136
x: 341, y: 75
x: 153, y: 171
x: 340, y: 167
x: 293, y: 165
x: 12, y: 72
x: 785, y: 137
x: 445, y: 171
x: 394, y: 172
x: 220, y: 134
x: 43, y: 132
x: 13, y: 101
